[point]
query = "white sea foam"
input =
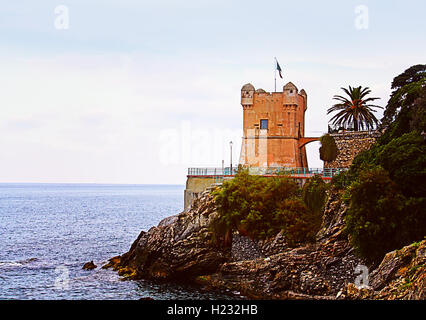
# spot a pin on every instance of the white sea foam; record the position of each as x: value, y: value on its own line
x: 19, y: 263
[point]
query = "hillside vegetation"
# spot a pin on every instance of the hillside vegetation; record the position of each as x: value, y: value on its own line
x: 384, y: 188
x: 261, y: 207
x: 386, y: 185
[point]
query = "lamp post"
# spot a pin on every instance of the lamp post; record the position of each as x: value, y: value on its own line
x: 230, y: 144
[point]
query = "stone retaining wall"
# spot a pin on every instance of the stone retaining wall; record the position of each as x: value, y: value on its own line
x: 349, y: 145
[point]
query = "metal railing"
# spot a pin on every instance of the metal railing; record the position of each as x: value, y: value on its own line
x: 218, y: 173
x: 212, y: 171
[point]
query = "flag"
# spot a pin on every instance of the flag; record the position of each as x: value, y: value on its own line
x: 278, y: 68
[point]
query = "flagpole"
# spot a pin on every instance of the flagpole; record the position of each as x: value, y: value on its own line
x: 275, y: 90
x: 275, y: 75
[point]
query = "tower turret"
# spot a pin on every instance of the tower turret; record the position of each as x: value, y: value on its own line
x: 290, y: 89
x: 247, y: 93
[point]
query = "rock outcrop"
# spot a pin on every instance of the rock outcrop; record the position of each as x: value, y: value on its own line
x: 317, y: 270
x: 401, y: 275
x: 89, y: 266
x: 180, y: 248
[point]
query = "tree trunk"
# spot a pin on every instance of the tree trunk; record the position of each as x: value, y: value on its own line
x: 228, y: 238
x: 355, y: 124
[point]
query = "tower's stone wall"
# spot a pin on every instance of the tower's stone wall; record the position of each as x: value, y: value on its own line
x: 278, y: 144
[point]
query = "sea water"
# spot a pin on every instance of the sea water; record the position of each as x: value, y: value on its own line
x: 48, y: 231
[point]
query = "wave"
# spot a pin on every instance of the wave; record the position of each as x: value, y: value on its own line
x: 19, y: 263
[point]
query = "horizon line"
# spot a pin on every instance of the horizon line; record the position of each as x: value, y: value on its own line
x: 97, y: 183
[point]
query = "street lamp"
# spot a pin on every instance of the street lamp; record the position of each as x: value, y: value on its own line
x: 230, y: 144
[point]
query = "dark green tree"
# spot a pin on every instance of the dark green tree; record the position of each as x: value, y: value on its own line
x: 248, y: 203
x: 380, y: 218
x: 260, y: 207
x: 298, y: 223
x: 328, y: 150
x: 407, y: 103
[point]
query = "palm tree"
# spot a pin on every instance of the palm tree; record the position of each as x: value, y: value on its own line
x: 356, y: 109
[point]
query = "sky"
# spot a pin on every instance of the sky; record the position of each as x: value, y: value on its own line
x: 138, y: 91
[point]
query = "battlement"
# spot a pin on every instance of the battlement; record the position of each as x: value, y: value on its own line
x: 289, y: 96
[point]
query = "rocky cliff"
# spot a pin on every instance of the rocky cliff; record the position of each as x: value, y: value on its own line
x: 180, y: 248
x: 401, y: 275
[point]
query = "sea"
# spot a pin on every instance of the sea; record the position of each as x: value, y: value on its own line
x: 48, y: 231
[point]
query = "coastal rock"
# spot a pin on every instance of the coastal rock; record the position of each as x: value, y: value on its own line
x: 315, y: 270
x: 179, y: 248
x: 333, y: 217
x: 244, y: 248
x: 167, y: 221
x: 318, y: 270
x: 89, y: 266
x: 401, y: 275
x: 357, y: 293
x: 273, y: 245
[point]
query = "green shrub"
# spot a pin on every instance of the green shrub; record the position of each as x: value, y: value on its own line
x: 341, y: 181
x: 260, y: 207
x: 405, y: 160
x: 314, y: 194
x: 380, y: 218
x: 403, y: 157
x: 298, y: 223
x: 328, y: 150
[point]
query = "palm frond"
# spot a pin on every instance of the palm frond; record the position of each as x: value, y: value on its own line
x: 354, y: 109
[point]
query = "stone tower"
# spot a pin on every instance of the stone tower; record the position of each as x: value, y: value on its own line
x: 274, y: 127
